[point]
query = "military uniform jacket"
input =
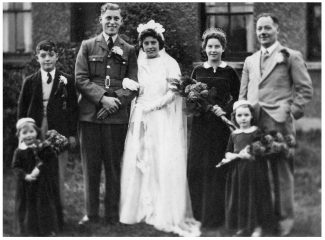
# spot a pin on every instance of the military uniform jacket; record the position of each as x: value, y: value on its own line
x: 100, y: 72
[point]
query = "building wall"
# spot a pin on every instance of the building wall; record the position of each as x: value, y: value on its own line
x: 51, y: 21
x: 293, y: 22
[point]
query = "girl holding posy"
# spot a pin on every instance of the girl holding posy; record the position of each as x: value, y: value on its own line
x: 248, y: 198
x: 35, y: 198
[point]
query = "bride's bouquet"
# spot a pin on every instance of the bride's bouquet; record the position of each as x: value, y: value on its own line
x: 197, y: 97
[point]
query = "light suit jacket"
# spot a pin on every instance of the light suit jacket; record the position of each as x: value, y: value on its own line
x: 94, y: 62
x: 284, y: 88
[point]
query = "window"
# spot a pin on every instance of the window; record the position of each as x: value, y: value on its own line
x: 237, y: 20
x: 17, y: 27
x: 314, y: 18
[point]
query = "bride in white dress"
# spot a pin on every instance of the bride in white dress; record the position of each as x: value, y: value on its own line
x: 154, y: 186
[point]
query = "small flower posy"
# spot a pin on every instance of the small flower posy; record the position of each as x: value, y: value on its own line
x: 279, y: 58
x: 63, y: 80
x: 117, y: 50
x: 151, y: 25
x: 282, y: 56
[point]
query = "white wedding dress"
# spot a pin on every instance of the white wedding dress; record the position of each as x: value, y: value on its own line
x: 154, y: 186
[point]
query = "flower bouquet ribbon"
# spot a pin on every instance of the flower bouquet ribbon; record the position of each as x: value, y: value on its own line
x: 196, y: 95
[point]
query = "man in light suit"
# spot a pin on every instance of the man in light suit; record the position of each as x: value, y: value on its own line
x: 275, y: 80
x: 105, y: 65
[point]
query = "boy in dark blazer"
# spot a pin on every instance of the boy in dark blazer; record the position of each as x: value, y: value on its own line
x: 49, y: 97
x: 104, y: 66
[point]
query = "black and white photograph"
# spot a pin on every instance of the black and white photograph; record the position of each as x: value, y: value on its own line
x: 161, y: 119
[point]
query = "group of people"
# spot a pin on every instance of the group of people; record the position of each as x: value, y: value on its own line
x: 131, y: 122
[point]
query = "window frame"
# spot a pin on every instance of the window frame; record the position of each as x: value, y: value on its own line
x: 230, y: 56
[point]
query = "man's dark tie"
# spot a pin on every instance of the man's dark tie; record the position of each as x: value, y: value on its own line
x: 110, y: 43
x: 49, y: 79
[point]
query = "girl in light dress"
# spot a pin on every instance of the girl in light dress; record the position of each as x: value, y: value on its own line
x: 154, y: 185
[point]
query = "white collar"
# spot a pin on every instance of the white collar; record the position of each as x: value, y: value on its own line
x: 248, y: 130
x: 44, y: 74
x: 222, y: 64
x: 106, y: 36
x: 271, y: 48
x: 22, y: 146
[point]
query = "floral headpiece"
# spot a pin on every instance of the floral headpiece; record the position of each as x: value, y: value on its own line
x: 213, y: 30
x: 157, y: 27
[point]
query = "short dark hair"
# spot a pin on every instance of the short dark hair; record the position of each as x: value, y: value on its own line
x: 46, y: 45
x: 214, y: 33
x: 109, y: 6
x: 151, y: 33
x: 271, y: 15
x: 251, y: 109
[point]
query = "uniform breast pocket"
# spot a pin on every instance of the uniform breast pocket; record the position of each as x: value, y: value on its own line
x: 123, y: 66
x: 96, y: 65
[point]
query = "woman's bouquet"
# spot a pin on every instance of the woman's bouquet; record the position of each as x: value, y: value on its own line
x: 197, y: 97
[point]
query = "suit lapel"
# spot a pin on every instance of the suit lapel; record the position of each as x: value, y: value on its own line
x: 39, y: 89
x: 271, y: 64
x: 257, y: 60
x: 55, y: 85
x: 101, y: 41
x: 119, y: 42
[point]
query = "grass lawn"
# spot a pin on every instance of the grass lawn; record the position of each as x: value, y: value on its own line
x: 307, y: 198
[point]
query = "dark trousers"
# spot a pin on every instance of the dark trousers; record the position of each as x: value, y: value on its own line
x: 102, y: 144
x: 282, y: 178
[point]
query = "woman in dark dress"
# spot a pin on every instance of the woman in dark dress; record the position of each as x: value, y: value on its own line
x: 209, y: 134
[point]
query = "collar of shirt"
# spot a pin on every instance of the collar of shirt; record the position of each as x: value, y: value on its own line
x: 270, y: 49
x: 248, y: 130
x: 221, y: 65
x: 107, y: 37
x: 44, y: 75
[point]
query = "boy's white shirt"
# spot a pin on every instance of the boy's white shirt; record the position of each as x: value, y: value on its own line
x: 47, y: 87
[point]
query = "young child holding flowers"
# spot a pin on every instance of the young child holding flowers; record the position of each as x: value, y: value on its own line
x: 35, y: 167
x: 248, y: 200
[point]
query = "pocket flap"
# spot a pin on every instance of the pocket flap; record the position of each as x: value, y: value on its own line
x: 95, y: 58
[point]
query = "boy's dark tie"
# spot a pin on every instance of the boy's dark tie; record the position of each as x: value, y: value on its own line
x: 110, y: 43
x: 49, y: 79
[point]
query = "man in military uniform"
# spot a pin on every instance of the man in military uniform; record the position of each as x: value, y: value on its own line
x: 106, y: 70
